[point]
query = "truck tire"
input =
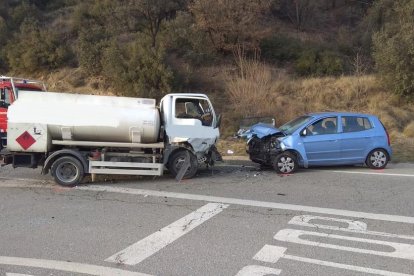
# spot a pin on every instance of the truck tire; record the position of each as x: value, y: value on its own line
x: 176, y: 161
x: 285, y: 163
x: 67, y: 171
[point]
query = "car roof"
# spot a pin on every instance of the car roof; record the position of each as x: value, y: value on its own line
x: 331, y: 113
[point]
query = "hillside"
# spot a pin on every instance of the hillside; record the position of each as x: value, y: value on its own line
x: 264, y: 57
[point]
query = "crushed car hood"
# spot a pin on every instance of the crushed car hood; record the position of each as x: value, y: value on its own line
x: 260, y: 130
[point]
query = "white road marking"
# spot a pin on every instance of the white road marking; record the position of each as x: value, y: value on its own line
x: 150, y: 245
x: 252, y: 203
x: 401, y: 250
x: 5, y: 185
x: 354, y: 226
x: 271, y: 254
x: 257, y: 270
x: 68, y: 266
x: 373, y: 173
x: 17, y: 274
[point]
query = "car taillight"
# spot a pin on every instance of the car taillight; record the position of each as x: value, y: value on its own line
x: 386, y: 132
x: 388, y: 137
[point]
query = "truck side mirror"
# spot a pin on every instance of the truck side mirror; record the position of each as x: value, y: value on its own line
x: 218, y: 123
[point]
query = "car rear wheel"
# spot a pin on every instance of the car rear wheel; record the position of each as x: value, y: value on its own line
x: 377, y: 159
x: 285, y: 163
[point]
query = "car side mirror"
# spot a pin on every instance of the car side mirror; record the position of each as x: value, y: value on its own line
x: 304, y: 132
x: 218, y: 123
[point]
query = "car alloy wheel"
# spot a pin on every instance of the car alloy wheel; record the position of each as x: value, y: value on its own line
x: 377, y: 159
x: 285, y: 163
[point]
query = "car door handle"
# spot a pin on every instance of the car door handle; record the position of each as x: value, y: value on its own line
x: 332, y: 140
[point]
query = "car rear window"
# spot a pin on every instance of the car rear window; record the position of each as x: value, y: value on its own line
x: 355, y: 123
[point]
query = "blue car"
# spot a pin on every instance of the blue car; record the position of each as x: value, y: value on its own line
x: 321, y: 139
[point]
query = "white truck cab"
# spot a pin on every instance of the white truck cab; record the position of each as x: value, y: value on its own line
x: 190, y: 118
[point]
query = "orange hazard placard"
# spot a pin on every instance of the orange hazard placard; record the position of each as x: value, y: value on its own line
x: 25, y: 140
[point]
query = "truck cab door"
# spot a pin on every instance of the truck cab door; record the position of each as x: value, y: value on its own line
x: 191, y: 119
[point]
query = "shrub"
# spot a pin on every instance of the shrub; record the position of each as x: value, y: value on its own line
x: 319, y: 63
x: 330, y: 63
x: 3, y: 36
x: 137, y: 69
x: 189, y: 42
x: 394, y: 49
x: 280, y: 49
x: 24, y: 11
x: 306, y: 64
x: 91, y: 45
x: 34, y: 49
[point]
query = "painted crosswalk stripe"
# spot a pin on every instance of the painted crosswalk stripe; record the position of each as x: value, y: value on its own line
x: 272, y: 254
x: 257, y: 270
x: 72, y: 267
x: 150, y: 245
x: 354, y: 226
x: 400, y: 250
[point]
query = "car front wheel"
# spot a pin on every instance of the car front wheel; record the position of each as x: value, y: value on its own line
x: 178, y: 159
x: 377, y: 159
x: 285, y: 163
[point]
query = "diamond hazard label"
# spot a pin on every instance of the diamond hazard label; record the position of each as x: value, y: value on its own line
x: 25, y: 140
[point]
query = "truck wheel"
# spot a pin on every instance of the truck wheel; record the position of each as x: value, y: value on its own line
x: 67, y: 171
x: 176, y: 161
x: 377, y: 159
x: 285, y: 163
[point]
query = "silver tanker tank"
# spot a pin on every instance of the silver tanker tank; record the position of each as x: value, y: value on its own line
x: 88, y: 117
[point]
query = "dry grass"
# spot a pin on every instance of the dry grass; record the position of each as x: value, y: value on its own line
x: 74, y: 80
x: 237, y: 146
x: 403, y: 149
x: 409, y: 130
x: 262, y: 92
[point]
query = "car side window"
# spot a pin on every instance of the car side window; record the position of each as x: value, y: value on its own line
x: 355, y: 123
x: 323, y: 126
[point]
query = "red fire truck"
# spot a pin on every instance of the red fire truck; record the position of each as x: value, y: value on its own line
x: 9, y: 92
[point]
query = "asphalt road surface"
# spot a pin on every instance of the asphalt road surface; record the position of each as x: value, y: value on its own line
x: 234, y: 220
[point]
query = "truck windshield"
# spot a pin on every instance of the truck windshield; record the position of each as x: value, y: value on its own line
x: 194, y: 109
x: 295, y: 124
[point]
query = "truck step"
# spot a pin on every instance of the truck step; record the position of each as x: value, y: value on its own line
x: 129, y: 168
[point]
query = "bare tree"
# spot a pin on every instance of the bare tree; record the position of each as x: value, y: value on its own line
x: 151, y: 14
x: 231, y: 22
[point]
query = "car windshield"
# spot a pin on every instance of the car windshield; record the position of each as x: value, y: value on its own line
x: 293, y: 125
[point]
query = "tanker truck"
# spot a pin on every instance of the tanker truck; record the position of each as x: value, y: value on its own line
x: 9, y: 91
x: 71, y: 135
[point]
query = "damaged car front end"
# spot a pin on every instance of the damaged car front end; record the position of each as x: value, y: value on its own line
x: 263, y: 143
x: 273, y: 147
